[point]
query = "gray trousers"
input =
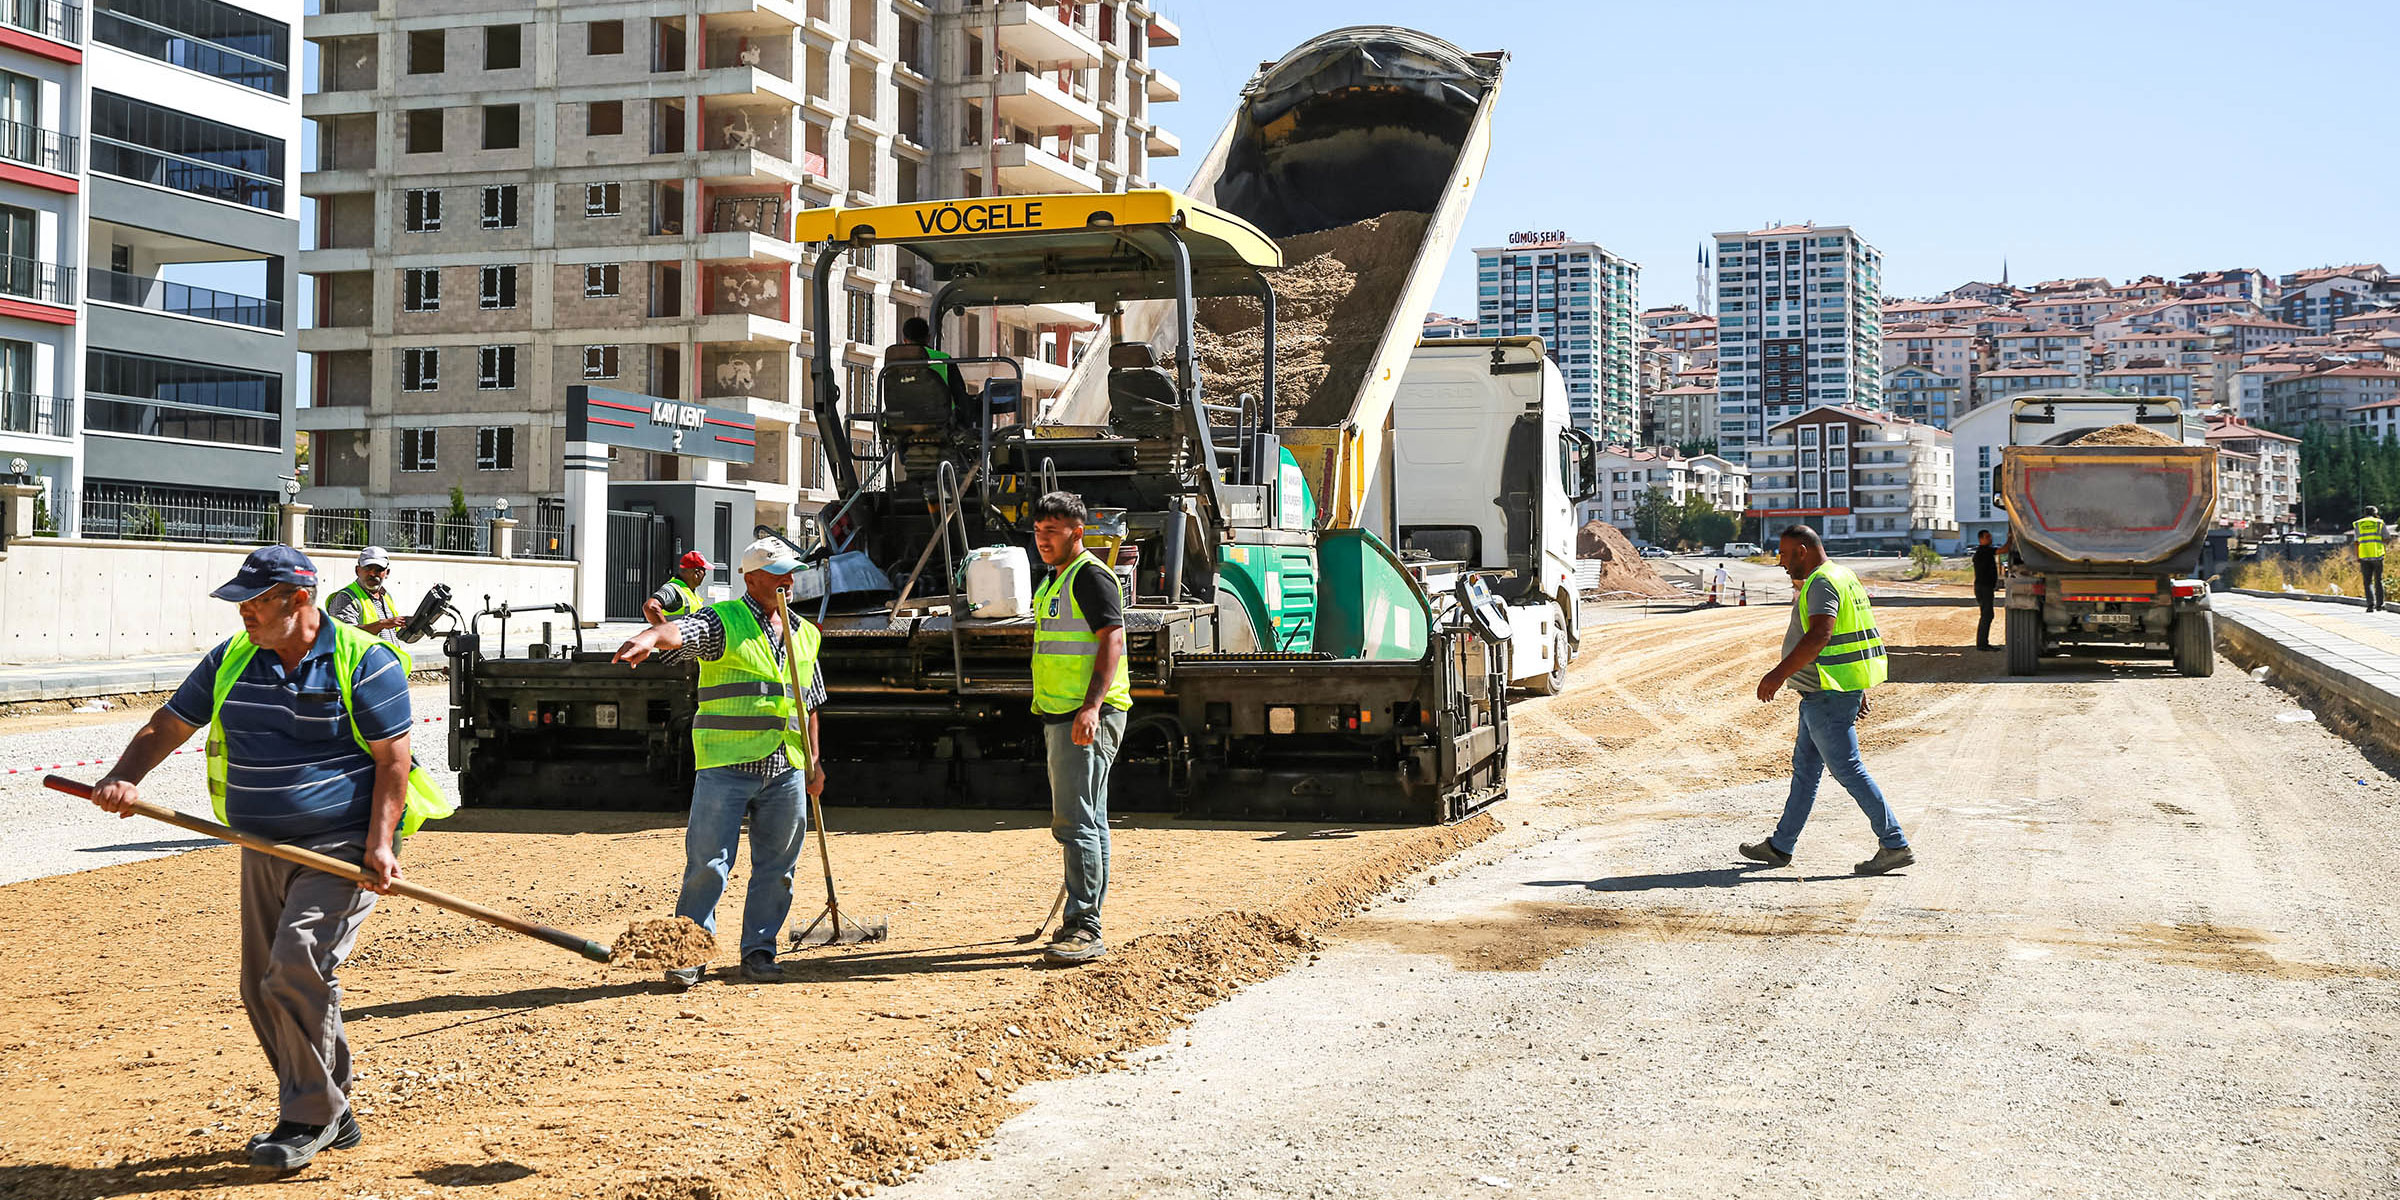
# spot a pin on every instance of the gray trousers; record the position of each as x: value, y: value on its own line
x: 1079, y: 812
x: 298, y: 925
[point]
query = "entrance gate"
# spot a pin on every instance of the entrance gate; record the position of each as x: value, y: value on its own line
x: 641, y: 554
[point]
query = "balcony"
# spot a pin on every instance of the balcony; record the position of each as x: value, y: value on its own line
x: 183, y: 300
x: 159, y: 168
x: 198, y: 50
x: 58, y: 20
x: 33, y: 279
x: 1036, y: 102
x: 1161, y: 87
x: 1029, y: 169
x: 42, y: 416
x: 1034, y: 33
x: 35, y: 146
x: 1164, y: 32
x: 1161, y: 144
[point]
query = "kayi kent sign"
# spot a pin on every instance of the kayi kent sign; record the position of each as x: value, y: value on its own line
x: 990, y: 216
x: 664, y: 426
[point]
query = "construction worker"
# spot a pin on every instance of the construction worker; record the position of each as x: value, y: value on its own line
x: 1987, y: 585
x: 2367, y: 535
x: 363, y: 601
x: 1081, y: 692
x: 679, y: 595
x: 754, y: 744
x: 308, y: 744
x: 1832, y: 653
x: 916, y: 345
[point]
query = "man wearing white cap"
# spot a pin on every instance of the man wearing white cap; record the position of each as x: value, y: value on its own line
x: 754, y: 746
x: 362, y: 601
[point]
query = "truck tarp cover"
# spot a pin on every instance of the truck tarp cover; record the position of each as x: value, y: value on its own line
x: 2115, y: 505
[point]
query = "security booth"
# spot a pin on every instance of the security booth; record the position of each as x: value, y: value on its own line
x: 627, y: 534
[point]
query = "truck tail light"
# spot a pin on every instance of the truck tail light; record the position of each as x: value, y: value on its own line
x: 2186, y: 589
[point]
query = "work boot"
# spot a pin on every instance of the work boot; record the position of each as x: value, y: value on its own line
x: 1887, y: 859
x: 346, y: 1133
x: 683, y: 979
x: 759, y: 966
x: 1073, y: 948
x: 1764, y: 851
x: 292, y: 1145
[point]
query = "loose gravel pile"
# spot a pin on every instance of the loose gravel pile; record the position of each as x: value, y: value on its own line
x: 1333, y: 299
x: 2124, y: 435
x: 1621, y: 566
x: 656, y: 945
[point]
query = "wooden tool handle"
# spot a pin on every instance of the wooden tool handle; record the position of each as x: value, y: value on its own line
x: 334, y: 866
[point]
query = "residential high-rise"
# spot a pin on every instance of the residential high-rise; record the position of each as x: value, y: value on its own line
x: 516, y: 198
x: 1582, y: 302
x: 1799, y: 324
x: 148, y: 229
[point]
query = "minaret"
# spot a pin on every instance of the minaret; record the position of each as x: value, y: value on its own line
x: 1701, y: 300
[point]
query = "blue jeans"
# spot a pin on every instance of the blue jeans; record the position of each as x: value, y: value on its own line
x: 1079, y: 812
x: 1829, y: 741
x: 778, y: 812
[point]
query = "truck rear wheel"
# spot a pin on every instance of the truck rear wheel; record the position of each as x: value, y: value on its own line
x: 2195, y: 639
x: 2023, y: 634
x: 1555, y: 681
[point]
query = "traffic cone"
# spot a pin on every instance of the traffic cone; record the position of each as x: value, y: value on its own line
x: 1745, y: 600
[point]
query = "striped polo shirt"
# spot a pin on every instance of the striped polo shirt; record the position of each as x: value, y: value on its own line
x: 292, y: 769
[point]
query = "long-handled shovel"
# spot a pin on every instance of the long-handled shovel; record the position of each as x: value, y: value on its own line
x: 831, y: 928
x: 334, y: 866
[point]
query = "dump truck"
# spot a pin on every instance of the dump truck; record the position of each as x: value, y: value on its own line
x: 1286, y: 664
x: 1487, y: 470
x: 2106, y: 538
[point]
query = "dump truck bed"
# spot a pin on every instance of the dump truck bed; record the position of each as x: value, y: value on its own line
x: 1351, y: 125
x: 2134, y: 508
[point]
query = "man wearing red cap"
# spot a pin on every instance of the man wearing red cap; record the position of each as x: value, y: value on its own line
x: 679, y: 596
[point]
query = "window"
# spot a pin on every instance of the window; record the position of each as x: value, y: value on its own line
x: 600, y: 279
x: 424, y: 134
x: 500, y: 207
x: 421, y: 289
x: 500, y: 127
x: 600, y: 362
x: 170, y: 148
x: 862, y: 316
x: 499, y: 287
x: 604, y: 118
x: 420, y: 369
x: 503, y: 47
x: 604, y: 37
x: 425, y: 49
x: 416, y: 450
x: 207, y: 36
x: 1836, y: 435
x: 495, y: 448
x: 496, y: 369
x: 422, y: 209
x: 171, y: 398
x: 603, y: 199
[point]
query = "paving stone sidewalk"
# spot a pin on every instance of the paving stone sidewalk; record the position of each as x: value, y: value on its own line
x: 2337, y: 648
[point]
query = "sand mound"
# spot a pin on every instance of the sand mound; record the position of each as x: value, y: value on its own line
x: 657, y: 945
x: 1332, y: 300
x: 1622, y: 568
x: 2124, y: 435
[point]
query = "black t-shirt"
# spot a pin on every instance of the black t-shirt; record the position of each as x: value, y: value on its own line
x: 1096, y: 591
x: 1987, y: 568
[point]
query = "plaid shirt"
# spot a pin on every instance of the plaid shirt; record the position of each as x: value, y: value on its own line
x: 704, y: 639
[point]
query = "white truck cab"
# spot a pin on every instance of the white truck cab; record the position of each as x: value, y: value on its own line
x: 1486, y: 474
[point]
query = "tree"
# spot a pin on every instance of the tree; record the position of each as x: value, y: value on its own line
x: 1655, y: 516
x: 1699, y: 523
x: 1696, y: 447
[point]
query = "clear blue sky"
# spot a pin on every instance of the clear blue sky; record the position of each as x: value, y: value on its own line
x: 2098, y: 138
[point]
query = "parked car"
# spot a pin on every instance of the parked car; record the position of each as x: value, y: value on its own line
x: 1742, y: 550
x: 1656, y: 552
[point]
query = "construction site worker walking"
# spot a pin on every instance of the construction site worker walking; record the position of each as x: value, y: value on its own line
x: 1081, y: 691
x: 1832, y: 655
x: 308, y: 744
x: 2369, y: 534
x: 754, y: 746
x: 363, y: 601
x: 679, y: 596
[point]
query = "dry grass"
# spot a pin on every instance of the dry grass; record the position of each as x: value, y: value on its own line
x: 2325, y: 577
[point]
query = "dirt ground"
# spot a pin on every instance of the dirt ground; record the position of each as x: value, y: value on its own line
x: 494, y: 1062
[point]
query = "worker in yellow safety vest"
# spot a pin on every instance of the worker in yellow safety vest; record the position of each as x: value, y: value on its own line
x: 679, y: 596
x: 2369, y: 534
x: 1081, y: 692
x: 363, y: 601
x: 754, y: 746
x: 1832, y: 654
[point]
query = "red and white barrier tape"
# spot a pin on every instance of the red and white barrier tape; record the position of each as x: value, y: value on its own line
x: 103, y: 762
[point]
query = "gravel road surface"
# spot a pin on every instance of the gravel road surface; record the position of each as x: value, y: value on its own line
x: 2149, y: 950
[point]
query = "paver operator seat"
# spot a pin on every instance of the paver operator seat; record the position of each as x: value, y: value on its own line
x: 1141, y: 395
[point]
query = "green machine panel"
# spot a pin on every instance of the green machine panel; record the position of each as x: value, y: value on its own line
x: 1367, y: 605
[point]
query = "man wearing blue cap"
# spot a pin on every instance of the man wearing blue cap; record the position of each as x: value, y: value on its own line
x: 308, y: 744
x: 754, y: 745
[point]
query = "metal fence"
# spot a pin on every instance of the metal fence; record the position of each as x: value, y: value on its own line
x: 400, y: 531
x: 542, y: 533
x: 33, y: 145
x: 28, y: 412
x: 172, y: 515
x: 49, y: 282
x: 58, y: 20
